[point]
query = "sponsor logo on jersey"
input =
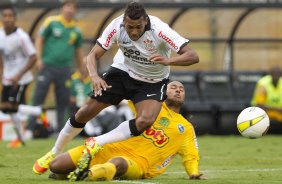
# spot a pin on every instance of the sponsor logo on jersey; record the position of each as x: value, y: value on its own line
x: 134, y: 55
x: 149, y: 46
x: 168, y: 40
x: 158, y: 136
x: 164, y: 122
x: 181, y: 128
x: 166, y: 162
x: 126, y: 42
x: 57, y: 32
x: 110, y: 36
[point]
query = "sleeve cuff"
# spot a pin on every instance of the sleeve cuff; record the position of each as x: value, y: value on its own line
x: 101, y: 45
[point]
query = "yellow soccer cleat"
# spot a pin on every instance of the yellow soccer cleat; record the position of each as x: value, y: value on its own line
x: 91, y: 146
x: 42, y: 165
x: 81, y: 171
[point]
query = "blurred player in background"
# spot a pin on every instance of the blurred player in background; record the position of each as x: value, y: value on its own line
x: 80, y: 87
x: 268, y: 95
x: 171, y: 134
x: 139, y: 72
x: 18, y: 57
x: 57, y: 45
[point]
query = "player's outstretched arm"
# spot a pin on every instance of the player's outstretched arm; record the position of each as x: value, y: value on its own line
x: 187, y: 56
x: 190, y: 154
x: 91, y: 63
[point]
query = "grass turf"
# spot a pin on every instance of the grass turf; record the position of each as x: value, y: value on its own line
x: 224, y: 160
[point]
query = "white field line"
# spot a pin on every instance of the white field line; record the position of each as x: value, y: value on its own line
x: 133, y: 182
x: 232, y: 170
x: 234, y: 158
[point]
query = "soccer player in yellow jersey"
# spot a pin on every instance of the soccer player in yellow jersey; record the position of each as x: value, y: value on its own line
x: 267, y: 95
x: 171, y: 134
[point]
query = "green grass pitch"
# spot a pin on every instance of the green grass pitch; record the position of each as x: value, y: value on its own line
x: 224, y: 160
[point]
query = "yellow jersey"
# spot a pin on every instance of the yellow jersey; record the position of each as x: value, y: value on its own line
x: 171, y: 134
x: 269, y: 95
x: 155, y: 149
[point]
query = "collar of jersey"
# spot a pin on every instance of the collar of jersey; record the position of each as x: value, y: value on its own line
x: 169, y: 110
x: 65, y: 22
x: 15, y: 29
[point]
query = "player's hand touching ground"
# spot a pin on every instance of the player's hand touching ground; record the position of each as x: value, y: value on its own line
x: 197, y: 177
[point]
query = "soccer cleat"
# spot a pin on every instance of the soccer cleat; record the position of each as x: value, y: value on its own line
x: 15, y: 144
x: 42, y: 164
x: 54, y: 176
x: 81, y: 171
x: 91, y: 146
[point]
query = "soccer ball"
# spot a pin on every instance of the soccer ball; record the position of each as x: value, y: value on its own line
x: 253, y: 122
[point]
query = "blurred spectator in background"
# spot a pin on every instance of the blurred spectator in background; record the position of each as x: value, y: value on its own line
x: 17, y: 58
x: 268, y: 95
x: 58, y: 45
x: 80, y: 87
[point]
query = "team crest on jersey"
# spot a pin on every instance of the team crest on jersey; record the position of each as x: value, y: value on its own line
x: 158, y: 136
x: 149, y: 45
x: 57, y: 32
x: 181, y: 128
x: 72, y: 38
x: 164, y: 122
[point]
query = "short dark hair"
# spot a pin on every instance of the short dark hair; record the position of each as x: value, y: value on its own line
x: 74, y: 2
x: 135, y: 10
x: 9, y: 7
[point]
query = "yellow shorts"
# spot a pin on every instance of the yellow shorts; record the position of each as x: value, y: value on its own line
x: 136, y: 165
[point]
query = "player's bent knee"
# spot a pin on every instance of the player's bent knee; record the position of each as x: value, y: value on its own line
x: 62, y: 164
x: 121, y: 165
x: 54, y: 166
x: 144, y: 123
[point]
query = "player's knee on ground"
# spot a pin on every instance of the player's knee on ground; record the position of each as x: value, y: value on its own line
x: 62, y: 164
x: 121, y: 165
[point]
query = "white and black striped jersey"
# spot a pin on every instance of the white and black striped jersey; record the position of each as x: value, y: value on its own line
x: 16, y: 50
x: 132, y: 56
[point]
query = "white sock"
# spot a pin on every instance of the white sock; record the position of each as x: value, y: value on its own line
x: 30, y: 110
x: 18, y: 125
x: 65, y: 136
x: 120, y: 133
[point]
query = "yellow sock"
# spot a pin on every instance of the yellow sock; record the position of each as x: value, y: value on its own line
x: 101, y: 172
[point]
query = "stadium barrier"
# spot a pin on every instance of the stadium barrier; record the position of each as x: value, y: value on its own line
x: 214, y: 99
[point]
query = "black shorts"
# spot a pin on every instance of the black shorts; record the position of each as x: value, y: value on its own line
x: 125, y: 87
x: 15, y: 95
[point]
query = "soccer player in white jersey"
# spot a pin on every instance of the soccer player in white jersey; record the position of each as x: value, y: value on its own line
x: 18, y: 57
x: 139, y: 72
